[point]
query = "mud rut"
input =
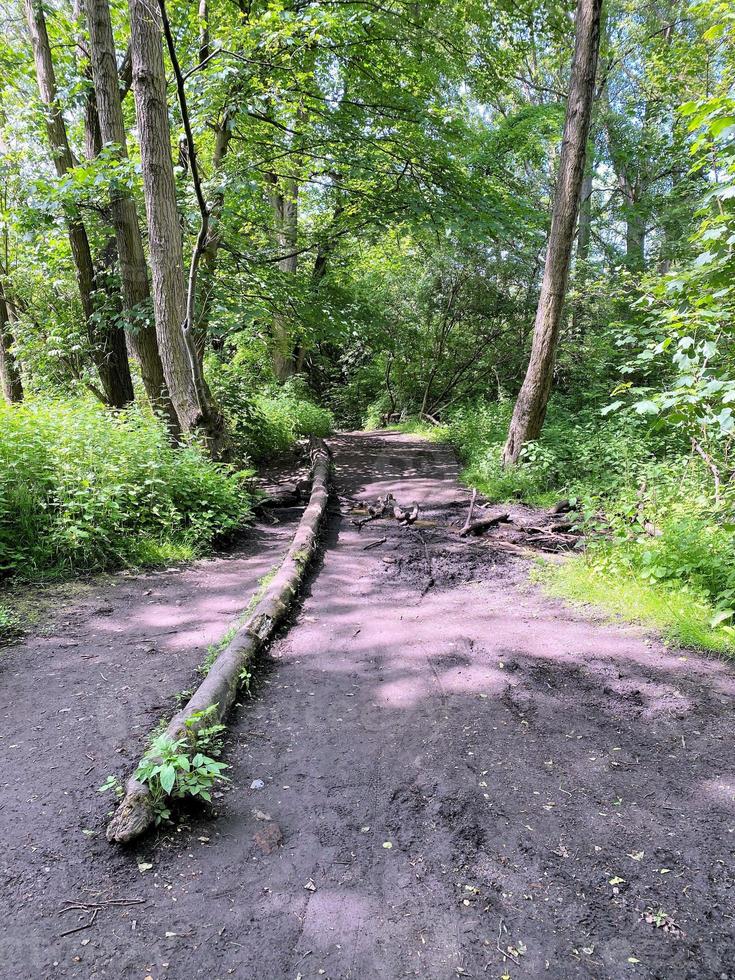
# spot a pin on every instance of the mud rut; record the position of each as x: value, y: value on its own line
x: 558, y: 795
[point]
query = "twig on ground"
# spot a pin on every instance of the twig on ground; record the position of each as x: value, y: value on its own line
x: 366, y: 520
x: 470, y: 512
x: 429, y: 574
x: 374, y: 544
x: 504, y: 952
x: 86, y: 925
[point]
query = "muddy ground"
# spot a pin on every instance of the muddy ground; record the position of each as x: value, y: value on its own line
x: 462, y: 778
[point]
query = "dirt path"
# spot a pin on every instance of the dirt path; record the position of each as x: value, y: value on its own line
x: 544, y: 782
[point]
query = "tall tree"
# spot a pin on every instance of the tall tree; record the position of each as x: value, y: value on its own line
x: 141, y: 333
x: 195, y: 407
x: 107, y: 341
x: 284, y: 201
x: 530, y: 408
x: 10, y: 379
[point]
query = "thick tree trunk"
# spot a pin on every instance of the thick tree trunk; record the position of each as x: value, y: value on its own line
x: 195, y: 407
x: 108, y: 345
x: 10, y: 380
x: 530, y: 408
x: 141, y: 333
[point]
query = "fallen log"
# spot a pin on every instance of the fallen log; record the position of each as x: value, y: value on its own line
x: 484, y: 524
x: 278, y: 497
x: 218, y: 691
x: 283, y: 494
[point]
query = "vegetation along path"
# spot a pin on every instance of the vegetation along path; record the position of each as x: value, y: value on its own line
x: 441, y: 772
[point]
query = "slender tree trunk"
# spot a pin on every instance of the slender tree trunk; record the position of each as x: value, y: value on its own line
x: 284, y: 200
x: 635, y: 229
x: 141, y: 334
x: 530, y: 408
x: 10, y: 380
x: 584, y: 236
x: 190, y: 395
x: 108, y: 345
x: 213, y: 238
x: 203, y: 30
x: 584, y: 228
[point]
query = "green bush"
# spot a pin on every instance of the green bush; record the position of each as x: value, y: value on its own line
x: 82, y: 488
x: 265, y: 421
x: 579, y: 453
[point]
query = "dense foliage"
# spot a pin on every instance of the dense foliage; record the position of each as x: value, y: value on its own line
x: 82, y: 489
x: 377, y: 181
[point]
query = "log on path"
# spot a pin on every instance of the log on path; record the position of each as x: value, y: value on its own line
x: 219, y: 689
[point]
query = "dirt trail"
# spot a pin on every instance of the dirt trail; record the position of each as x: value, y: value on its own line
x: 544, y: 782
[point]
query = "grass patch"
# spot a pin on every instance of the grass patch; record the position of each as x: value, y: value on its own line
x: 682, y: 617
x: 10, y: 628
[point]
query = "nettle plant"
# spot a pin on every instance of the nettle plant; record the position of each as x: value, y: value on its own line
x: 183, y: 768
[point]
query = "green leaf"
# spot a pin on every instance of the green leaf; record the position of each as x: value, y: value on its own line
x: 168, y: 778
x: 646, y: 407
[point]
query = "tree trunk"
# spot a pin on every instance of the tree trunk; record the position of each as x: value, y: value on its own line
x: 195, y: 407
x: 213, y: 238
x: 108, y: 344
x: 141, y: 334
x: 635, y: 228
x: 10, y: 380
x: 584, y: 236
x: 530, y: 408
x: 284, y: 200
x: 584, y: 228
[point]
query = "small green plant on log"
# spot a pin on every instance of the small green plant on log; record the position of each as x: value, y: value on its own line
x: 181, y: 768
x: 245, y: 679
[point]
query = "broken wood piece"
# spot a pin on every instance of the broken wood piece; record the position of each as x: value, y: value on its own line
x: 406, y: 517
x: 412, y: 515
x: 281, y: 495
x: 485, y: 524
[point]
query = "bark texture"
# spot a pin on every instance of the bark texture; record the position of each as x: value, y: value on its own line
x: 107, y: 343
x: 220, y: 687
x: 195, y: 407
x: 530, y: 408
x: 141, y: 334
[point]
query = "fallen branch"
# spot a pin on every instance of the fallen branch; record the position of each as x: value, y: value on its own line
x: 471, y: 511
x: 427, y: 556
x: 219, y: 689
x: 484, y: 524
x: 374, y: 544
